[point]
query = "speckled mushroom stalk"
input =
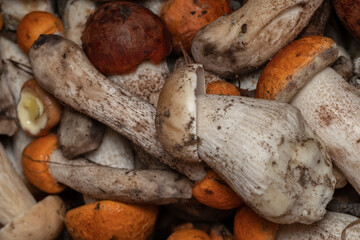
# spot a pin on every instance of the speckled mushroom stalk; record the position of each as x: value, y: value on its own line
x: 329, y: 104
x: 46, y: 167
x: 19, y: 208
x: 247, y: 38
x: 333, y: 226
x: 264, y: 150
x: 63, y: 69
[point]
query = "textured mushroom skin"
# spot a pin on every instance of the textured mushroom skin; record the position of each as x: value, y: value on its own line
x: 348, y: 12
x: 121, y: 35
x: 267, y: 154
x: 247, y: 38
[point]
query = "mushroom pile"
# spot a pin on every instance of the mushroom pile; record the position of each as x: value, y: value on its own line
x: 179, y: 119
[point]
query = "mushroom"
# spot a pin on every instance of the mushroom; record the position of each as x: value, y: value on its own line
x: 348, y: 13
x: 332, y: 226
x: 8, y: 124
x: 329, y: 104
x: 188, y: 234
x: 19, y: 208
x: 35, y: 23
x: 63, y: 70
x: 78, y: 134
x: 37, y: 111
x: 13, y: 11
x: 46, y: 168
x: 111, y: 220
x: 264, y: 150
x: 131, y: 47
x: 245, y: 39
x: 184, y: 18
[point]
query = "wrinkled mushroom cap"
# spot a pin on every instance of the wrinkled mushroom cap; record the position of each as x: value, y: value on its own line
x: 43, y: 221
x: 294, y: 66
x: 176, y: 112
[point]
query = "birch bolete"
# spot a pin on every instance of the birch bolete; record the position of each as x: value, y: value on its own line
x: 62, y: 68
x: 264, y: 150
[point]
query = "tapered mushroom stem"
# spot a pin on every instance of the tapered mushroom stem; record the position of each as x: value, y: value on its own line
x: 334, y: 114
x: 264, y: 150
x: 124, y: 185
x: 63, y: 69
x: 15, y: 198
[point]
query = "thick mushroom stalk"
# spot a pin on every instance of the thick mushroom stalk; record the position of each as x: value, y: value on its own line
x: 247, y: 38
x: 62, y: 68
x: 18, y: 208
x: 263, y: 149
x: 329, y: 104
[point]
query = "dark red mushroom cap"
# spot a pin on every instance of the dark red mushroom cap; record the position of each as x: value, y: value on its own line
x: 121, y: 35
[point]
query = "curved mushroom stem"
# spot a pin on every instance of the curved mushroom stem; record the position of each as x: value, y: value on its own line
x: 124, y: 185
x: 334, y: 115
x: 63, y: 69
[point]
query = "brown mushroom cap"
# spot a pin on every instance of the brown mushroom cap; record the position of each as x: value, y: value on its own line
x: 176, y: 116
x: 348, y: 12
x: 293, y: 66
x: 43, y: 221
x: 121, y: 35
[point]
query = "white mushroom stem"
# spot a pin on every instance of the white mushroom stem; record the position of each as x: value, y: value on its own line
x: 13, y: 11
x: 146, y: 82
x: 114, y: 151
x: 15, y: 198
x: 63, y: 69
x: 331, y: 227
x: 268, y: 155
x: 125, y: 185
x: 332, y: 108
x: 248, y: 37
x: 75, y: 16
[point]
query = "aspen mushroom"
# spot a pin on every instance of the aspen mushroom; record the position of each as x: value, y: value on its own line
x: 46, y: 168
x: 18, y: 208
x: 35, y: 23
x: 348, y: 13
x: 38, y: 112
x: 184, y: 18
x: 129, y: 43
x: 63, y: 70
x: 245, y: 39
x: 329, y: 104
x: 264, y: 150
x: 111, y: 220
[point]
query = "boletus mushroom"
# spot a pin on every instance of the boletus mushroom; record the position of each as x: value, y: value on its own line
x: 62, y: 68
x: 248, y: 37
x: 299, y: 74
x: 264, y: 150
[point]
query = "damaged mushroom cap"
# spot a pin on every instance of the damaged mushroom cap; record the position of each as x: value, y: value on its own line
x: 245, y: 39
x: 176, y: 116
x: 43, y: 221
x: 263, y: 149
x: 294, y: 66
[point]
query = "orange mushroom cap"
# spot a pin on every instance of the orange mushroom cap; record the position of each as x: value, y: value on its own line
x: 189, y: 234
x: 35, y: 163
x: 104, y: 220
x: 33, y: 25
x: 222, y: 88
x: 214, y: 192
x: 249, y: 225
x: 184, y: 18
x: 293, y: 66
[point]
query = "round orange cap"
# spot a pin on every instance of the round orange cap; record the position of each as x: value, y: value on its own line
x: 189, y: 234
